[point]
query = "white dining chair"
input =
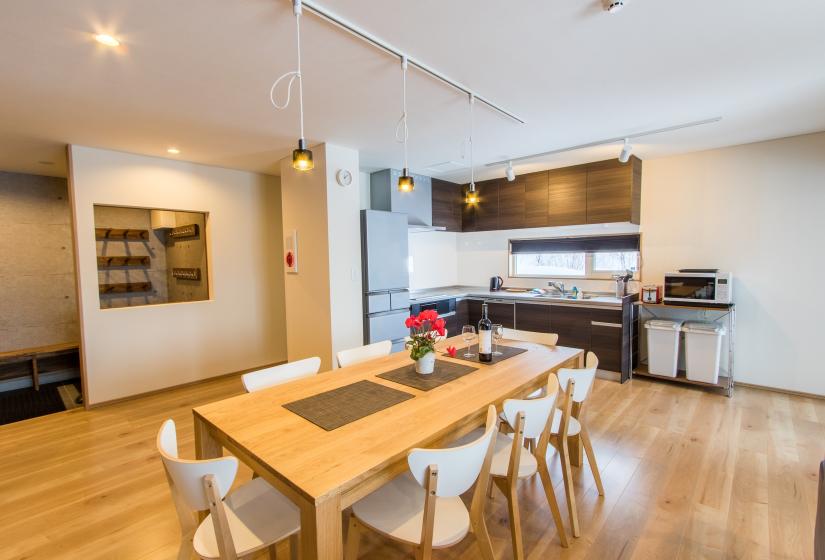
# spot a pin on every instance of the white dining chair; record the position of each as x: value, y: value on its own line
x: 364, y: 353
x: 548, y: 339
x: 423, y: 507
x: 253, y: 517
x: 568, y: 421
x: 528, y: 419
x: 276, y: 375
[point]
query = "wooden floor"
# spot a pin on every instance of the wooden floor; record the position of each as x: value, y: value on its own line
x: 687, y: 474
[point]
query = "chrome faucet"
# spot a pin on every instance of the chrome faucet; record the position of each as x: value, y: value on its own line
x: 558, y: 286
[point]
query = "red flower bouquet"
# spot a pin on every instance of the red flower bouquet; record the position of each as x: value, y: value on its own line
x: 425, y: 330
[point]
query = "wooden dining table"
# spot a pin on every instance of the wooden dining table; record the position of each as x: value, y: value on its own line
x: 324, y: 472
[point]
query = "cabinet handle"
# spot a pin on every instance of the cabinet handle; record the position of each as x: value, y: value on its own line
x: 600, y: 324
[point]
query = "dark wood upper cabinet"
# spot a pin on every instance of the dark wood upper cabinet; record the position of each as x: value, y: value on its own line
x: 595, y: 193
x: 511, y: 204
x: 614, y: 191
x: 486, y: 210
x: 535, y: 199
x: 468, y: 211
x: 447, y: 202
x: 567, y: 196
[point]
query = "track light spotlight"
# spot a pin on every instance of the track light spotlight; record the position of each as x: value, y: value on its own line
x: 511, y: 174
x: 627, y: 149
x: 614, y: 6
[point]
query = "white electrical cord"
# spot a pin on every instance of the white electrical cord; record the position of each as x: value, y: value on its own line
x: 472, y: 168
x: 402, y: 132
x: 296, y: 9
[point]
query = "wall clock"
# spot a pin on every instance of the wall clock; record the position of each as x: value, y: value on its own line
x: 344, y: 177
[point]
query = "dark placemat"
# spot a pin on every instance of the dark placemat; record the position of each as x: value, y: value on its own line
x: 336, y: 408
x: 506, y: 352
x: 444, y: 372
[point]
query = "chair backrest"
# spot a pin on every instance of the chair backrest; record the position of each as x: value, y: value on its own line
x: 536, y: 411
x: 364, y: 353
x: 819, y: 529
x: 584, y: 379
x: 548, y: 339
x: 458, y: 467
x: 276, y: 375
x: 591, y: 361
x: 187, y: 476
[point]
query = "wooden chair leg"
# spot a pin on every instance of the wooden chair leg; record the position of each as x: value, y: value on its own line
x: 515, y: 522
x: 490, y: 488
x: 294, y: 544
x: 353, y: 539
x: 569, y: 492
x: 185, y: 550
x: 591, y: 459
x: 544, y: 474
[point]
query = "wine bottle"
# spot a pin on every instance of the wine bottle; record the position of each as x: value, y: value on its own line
x: 485, y: 337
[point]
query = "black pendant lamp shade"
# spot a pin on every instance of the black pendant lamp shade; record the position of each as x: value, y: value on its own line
x: 302, y: 157
x: 405, y: 181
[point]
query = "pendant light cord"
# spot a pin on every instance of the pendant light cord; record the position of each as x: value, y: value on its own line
x: 472, y: 167
x: 292, y: 75
x: 402, y: 132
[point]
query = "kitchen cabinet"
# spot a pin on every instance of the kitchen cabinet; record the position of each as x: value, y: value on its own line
x: 511, y: 203
x: 533, y: 317
x: 535, y: 199
x: 486, y: 210
x: 606, y: 338
x: 572, y: 324
x: 498, y: 311
x: 614, y: 191
x: 594, y: 193
x: 567, y: 196
x: 447, y: 205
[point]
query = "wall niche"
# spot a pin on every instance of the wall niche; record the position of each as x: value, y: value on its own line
x: 149, y: 256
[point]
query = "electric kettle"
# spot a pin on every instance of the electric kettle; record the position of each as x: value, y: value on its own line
x: 496, y: 283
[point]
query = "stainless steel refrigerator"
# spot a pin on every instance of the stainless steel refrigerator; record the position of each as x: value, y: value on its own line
x: 386, y: 279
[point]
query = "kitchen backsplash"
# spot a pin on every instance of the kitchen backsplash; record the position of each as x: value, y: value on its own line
x: 471, y: 258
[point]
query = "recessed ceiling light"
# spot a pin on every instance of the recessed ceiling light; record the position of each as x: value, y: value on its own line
x: 173, y: 151
x: 107, y: 40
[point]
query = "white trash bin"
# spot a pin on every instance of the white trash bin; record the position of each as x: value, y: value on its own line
x: 663, y: 346
x: 703, y: 348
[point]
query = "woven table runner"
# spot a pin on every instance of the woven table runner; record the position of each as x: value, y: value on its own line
x: 338, y: 407
x: 506, y: 352
x: 444, y: 372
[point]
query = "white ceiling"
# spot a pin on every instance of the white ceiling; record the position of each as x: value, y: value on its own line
x: 196, y: 74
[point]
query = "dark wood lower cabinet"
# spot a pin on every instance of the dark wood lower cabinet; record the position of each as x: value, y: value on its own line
x: 572, y: 324
x: 497, y: 312
x: 533, y: 317
x: 606, y: 338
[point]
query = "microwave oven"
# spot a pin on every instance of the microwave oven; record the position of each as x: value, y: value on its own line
x: 700, y: 288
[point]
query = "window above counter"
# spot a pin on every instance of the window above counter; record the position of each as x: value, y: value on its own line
x: 586, y: 257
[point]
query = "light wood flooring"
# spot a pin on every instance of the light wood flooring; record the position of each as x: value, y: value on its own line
x: 687, y: 474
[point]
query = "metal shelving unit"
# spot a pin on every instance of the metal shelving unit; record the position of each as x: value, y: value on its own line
x: 725, y: 315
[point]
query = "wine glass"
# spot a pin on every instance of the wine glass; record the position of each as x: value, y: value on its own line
x: 468, y: 333
x: 498, y: 334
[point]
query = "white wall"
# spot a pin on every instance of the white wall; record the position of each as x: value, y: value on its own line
x: 484, y: 254
x: 133, y: 350
x: 757, y: 211
x: 323, y: 300
x: 434, y: 259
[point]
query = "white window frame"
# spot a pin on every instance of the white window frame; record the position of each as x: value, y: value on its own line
x: 589, y: 273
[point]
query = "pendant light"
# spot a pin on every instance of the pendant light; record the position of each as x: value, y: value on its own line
x: 301, y: 157
x: 405, y: 182
x: 472, y: 196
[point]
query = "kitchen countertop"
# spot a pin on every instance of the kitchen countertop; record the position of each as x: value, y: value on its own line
x: 433, y: 294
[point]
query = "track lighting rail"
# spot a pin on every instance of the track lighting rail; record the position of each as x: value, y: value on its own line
x: 337, y: 20
x: 624, y: 138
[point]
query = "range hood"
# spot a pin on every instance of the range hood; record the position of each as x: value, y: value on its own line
x: 417, y: 205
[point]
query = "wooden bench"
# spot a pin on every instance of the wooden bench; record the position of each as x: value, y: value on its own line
x: 39, y: 352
